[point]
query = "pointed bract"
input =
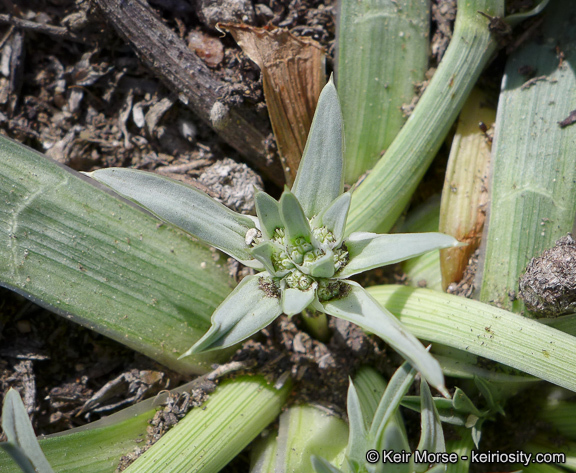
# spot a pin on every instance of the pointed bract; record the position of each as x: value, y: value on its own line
x: 295, y: 301
x: 248, y: 309
x: 334, y: 217
x: 264, y: 252
x: 268, y: 213
x: 370, y: 250
x: 320, y: 176
x: 295, y: 221
x: 361, y: 309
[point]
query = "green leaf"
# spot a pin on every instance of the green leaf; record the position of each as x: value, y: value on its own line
x: 244, y: 312
x: 295, y: 221
x: 358, y: 441
x: 322, y: 466
x: 305, y: 431
x: 369, y: 250
x: 390, y: 401
x: 484, y: 330
x: 268, y: 213
x: 370, y: 387
x: 380, y: 199
x: 334, y: 217
x: 533, y: 184
x: 184, y: 206
x: 432, y: 437
x: 209, y: 437
x: 295, y: 301
x: 22, y: 443
x: 73, y: 247
x: 361, y: 309
x: 320, y: 176
x: 381, y: 54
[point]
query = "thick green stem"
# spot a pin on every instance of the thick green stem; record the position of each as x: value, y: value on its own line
x: 316, y: 324
x: 382, y: 196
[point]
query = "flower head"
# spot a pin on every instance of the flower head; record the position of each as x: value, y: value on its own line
x: 299, y: 245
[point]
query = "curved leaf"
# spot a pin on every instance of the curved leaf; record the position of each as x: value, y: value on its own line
x: 370, y: 250
x: 245, y: 311
x: 184, y: 206
x: 484, y: 330
x: 362, y: 309
x: 22, y: 444
x: 320, y: 175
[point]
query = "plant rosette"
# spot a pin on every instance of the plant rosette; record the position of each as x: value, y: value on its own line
x: 298, y: 244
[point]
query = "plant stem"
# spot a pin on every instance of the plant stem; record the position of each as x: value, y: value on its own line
x: 316, y: 324
x: 382, y: 196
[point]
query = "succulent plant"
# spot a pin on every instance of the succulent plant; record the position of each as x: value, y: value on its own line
x: 298, y: 244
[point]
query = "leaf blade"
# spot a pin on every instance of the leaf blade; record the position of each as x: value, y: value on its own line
x: 370, y: 250
x: 244, y: 312
x: 184, y: 206
x: 360, y: 308
x: 320, y: 176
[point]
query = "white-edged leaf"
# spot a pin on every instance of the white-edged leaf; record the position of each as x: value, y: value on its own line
x: 322, y: 466
x: 295, y: 301
x: 358, y: 433
x: 334, y: 217
x: 320, y: 176
x: 432, y: 437
x: 370, y: 250
x: 390, y: 401
x: 361, y: 308
x: 244, y: 312
x: 20, y: 434
x: 295, y: 221
x: 268, y: 213
x: 184, y: 206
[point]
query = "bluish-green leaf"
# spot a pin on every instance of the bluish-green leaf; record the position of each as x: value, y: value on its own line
x: 358, y: 434
x: 361, y: 309
x: 390, y: 401
x: 268, y: 213
x: 432, y: 437
x: 320, y: 175
x: 184, y: 206
x: 370, y: 250
x: 20, y: 434
x: 295, y: 301
x: 245, y: 311
x: 293, y: 216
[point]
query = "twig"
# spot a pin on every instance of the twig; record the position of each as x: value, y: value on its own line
x: 182, y: 71
x: 51, y: 30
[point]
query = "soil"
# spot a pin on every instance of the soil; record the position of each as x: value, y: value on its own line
x: 71, y: 88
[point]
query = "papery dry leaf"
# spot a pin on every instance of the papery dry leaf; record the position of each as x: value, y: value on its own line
x: 293, y: 76
x: 465, y: 193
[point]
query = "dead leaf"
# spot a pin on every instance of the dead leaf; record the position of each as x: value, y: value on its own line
x: 293, y: 76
